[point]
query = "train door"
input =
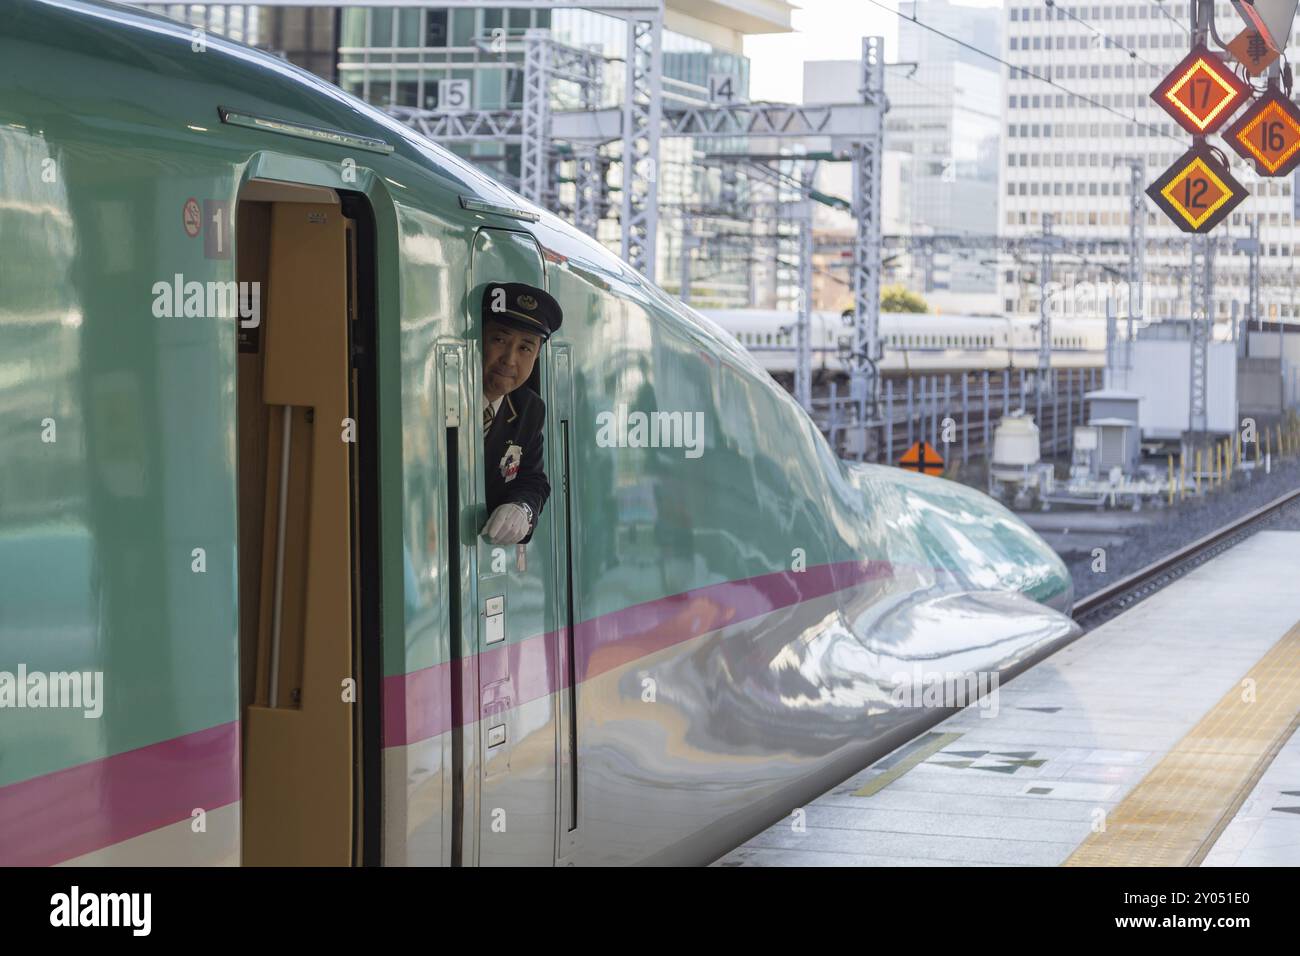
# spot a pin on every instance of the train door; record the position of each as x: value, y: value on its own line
x: 307, y: 500
x: 515, y: 678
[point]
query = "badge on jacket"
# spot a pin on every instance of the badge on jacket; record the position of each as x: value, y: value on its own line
x: 510, y: 461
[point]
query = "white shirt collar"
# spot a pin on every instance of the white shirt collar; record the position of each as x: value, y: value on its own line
x: 495, y: 406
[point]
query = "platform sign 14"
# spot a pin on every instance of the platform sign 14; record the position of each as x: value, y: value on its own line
x: 1268, y: 135
x: 1197, y: 192
x: 723, y: 88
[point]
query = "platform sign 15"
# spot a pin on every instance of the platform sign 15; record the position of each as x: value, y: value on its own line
x: 1197, y: 191
x: 1201, y: 92
x: 453, y: 96
x: 1268, y: 134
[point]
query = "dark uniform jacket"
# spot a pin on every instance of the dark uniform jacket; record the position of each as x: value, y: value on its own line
x: 513, y: 454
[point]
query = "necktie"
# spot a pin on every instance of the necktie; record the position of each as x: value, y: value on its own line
x: 488, y: 415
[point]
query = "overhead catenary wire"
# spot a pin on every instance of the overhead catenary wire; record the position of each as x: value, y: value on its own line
x: 1159, y: 5
x: 1110, y: 40
x: 1025, y: 71
x: 939, y: 104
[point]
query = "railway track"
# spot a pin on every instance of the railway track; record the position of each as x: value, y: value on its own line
x: 1117, y: 598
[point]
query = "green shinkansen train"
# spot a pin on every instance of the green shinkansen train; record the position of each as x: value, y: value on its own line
x: 246, y: 612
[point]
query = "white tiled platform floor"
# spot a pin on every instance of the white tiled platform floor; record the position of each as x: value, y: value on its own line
x: 1071, y: 737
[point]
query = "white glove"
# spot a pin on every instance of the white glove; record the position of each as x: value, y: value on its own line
x: 508, y: 525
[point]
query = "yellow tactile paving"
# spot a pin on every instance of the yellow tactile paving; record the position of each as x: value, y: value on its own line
x: 1173, y: 816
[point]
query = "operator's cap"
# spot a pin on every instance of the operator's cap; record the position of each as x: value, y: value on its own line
x: 523, y: 307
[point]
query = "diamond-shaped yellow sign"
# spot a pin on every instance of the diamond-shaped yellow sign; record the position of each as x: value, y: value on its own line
x: 1268, y: 134
x: 1197, y: 191
x: 1201, y: 92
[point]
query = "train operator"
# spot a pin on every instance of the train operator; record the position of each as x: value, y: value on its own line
x: 517, y: 320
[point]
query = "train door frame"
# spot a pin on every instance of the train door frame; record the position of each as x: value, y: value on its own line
x: 368, y: 604
x: 360, y: 363
x: 560, y: 412
x: 505, y: 789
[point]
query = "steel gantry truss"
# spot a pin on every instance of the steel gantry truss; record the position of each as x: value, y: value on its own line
x: 1252, y: 249
x: 614, y: 7
x: 1025, y: 246
x: 640, y: 123
x: 589, y: 189
x: 803, y: 353
x: 1137, y: 247
x: 546, y: 60
x: 846, y: 124
x: 1043, y: 383
x: 1202, y: 314
x: 855, y: 129
x: 642, y: 119
x: 534, y: 156
x: 589, y: 171
x: 472, y: 126
x: 868, y: 150
x: 794, y: 194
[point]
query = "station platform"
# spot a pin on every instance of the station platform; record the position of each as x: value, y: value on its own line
x: 1164, y: 737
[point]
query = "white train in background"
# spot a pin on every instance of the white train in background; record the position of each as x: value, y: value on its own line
x: 918, y: 342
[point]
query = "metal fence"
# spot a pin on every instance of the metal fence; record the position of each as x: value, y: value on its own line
x: 957, y: 413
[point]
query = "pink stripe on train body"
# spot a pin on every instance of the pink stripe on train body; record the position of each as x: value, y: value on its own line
x: 414, y: 707
x: 61, y: 815
x: 71, y: 812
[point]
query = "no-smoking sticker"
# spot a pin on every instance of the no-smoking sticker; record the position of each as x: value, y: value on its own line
x: 192, y: 217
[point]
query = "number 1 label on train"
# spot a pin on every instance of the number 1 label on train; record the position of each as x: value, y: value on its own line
x: 1268, y: 135
x: 1197, y: 191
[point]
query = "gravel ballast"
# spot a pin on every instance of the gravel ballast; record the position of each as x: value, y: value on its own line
x: 1187, y: 521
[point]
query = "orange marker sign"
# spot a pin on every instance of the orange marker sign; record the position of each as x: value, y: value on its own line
x: 1201, y: 92
x: 922, y: 457
x: 1268, y: 135
x: 1197, y: 192
x: 1253, y: 51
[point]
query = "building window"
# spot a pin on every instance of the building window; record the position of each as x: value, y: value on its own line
x: 408, y: 28
x: 435, y: 30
